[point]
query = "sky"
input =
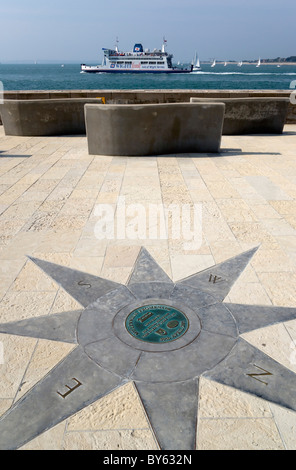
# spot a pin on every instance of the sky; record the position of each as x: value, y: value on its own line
x: 77, y: 30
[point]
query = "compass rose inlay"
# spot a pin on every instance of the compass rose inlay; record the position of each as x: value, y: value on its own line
x: 135, y: 332
x: 157, y: 323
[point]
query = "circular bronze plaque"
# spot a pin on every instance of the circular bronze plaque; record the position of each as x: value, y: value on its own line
x: 157, y: 323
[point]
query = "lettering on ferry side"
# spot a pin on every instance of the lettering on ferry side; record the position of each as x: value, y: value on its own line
x: 70, y: 390
x: 256, y: 375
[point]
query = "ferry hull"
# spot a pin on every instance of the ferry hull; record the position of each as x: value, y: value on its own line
x: 170, y: 71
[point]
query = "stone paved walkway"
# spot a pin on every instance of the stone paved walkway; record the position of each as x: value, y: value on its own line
x: 50, y: 192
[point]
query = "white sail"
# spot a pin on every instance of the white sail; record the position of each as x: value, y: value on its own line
x: 196, y: 64
x: 214, y: 63
x: 258, y: 63
x: 240, y: 64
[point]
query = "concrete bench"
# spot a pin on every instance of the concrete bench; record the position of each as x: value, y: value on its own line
x: 252, y: 115
x: 153, y: 129
x: 45, y: 117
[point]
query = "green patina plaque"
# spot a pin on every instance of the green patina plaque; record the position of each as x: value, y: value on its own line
x: 157, y: 323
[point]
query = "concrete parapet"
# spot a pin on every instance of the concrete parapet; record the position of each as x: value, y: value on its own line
x: 45, y: 117
x: 254, y: 115
x: 154, y: 96
x: 154, y: 129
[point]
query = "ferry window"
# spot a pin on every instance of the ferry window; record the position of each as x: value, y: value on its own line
x: 152, y: 62
x: 144, y: 62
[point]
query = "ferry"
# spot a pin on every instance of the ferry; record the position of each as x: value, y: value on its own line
x: 137, y: 61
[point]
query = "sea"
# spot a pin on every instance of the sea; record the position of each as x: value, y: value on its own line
x: 69, y: 77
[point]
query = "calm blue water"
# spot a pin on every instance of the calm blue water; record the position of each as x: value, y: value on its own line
x: 55, y: 77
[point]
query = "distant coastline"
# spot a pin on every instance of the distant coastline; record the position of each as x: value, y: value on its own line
x: 277, y: 61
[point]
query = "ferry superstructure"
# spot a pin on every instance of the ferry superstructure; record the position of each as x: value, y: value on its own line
x: 137, y: 61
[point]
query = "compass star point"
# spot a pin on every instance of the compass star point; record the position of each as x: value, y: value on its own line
x: 219, y: 279
x: 147, y: 269
x: 83, y: 287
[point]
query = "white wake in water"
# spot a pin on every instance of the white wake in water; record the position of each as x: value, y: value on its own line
x: 277, y: 74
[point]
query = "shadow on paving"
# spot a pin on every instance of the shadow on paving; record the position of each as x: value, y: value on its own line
x: 224, y: 152
x: 239, y: 152
x: 4, y: 154
x: 289, y: 133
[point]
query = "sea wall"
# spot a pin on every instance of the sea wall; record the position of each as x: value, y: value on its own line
x: 152, y: 96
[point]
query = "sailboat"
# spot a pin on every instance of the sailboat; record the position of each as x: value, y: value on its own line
x: 240, y: 64
x: 258, y: 63
x: 214, y: 63
x: 196, y: 65
x: 225, y: 63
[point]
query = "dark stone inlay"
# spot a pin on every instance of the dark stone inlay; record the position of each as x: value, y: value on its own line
x: 157, y: 323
